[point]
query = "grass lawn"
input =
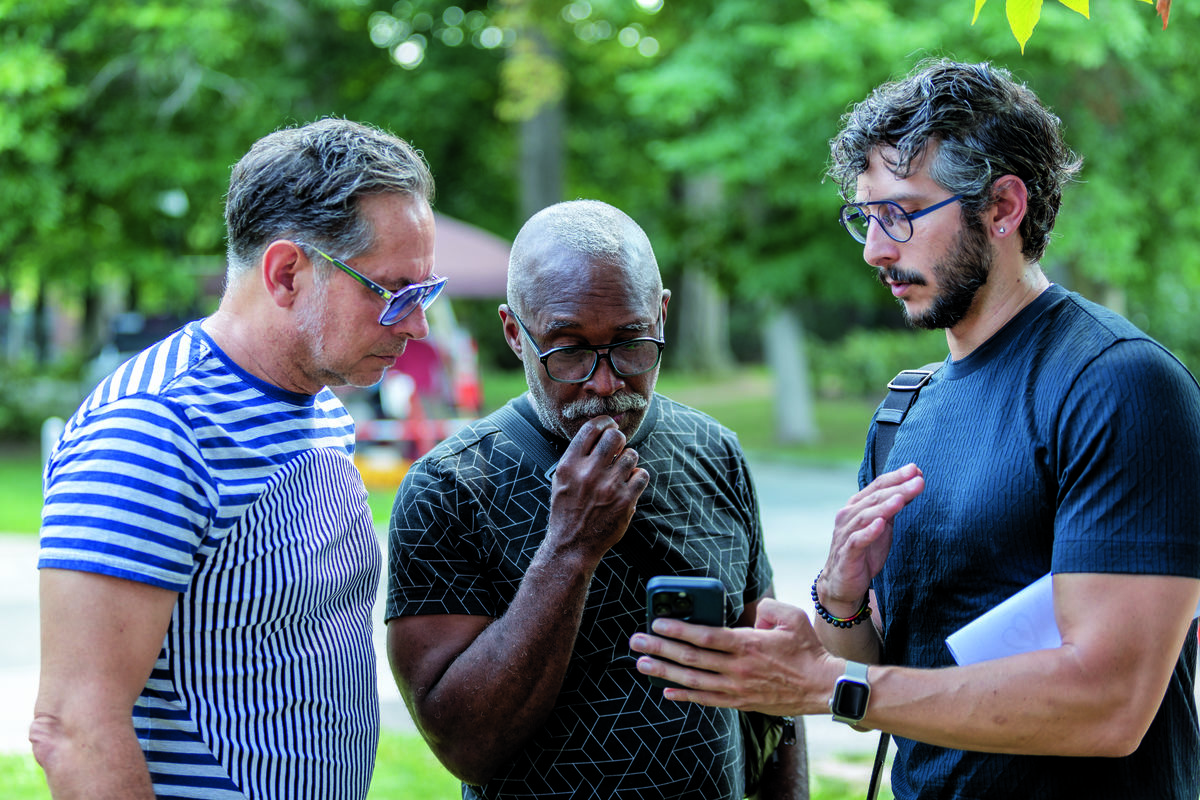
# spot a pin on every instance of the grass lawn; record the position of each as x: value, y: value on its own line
x: 21, y: 480
x: 405, y: 769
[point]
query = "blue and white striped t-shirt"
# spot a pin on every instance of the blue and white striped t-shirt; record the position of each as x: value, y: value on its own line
x: 185, y: 472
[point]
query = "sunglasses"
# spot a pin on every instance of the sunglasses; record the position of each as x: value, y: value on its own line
x: 399, y: 304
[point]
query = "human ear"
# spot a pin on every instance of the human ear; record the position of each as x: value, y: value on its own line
x: 512, y: 333
x: 1009, y: 199
x: 282, y: 262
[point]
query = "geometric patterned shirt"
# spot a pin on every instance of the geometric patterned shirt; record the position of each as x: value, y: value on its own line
x: 469, y: 517
x: 183, y: 471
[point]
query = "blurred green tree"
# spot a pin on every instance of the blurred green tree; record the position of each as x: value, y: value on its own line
x: 708, y: 121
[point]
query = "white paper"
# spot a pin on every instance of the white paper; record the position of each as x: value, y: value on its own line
x: 1022, y: 623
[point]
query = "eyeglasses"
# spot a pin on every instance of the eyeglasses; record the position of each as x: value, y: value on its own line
x: 893, y: 220
x: 399, y: 304
x: 577, y: 363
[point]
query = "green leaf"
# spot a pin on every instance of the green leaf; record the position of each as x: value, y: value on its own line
x: 1023, y: 16
x: 1080, y: 6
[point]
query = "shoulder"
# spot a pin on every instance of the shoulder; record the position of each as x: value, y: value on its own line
x: 1082, y: 339
x: 675, y: 420
x: 480, y: 451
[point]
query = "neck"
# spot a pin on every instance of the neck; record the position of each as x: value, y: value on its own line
x: 1003, y: 297
x: 251, y: 340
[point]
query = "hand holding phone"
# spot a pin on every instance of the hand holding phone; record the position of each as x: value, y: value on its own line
x: 700, y: 601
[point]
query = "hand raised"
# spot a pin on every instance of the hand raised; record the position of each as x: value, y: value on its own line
x: 862, y: 537
x: 595, y: 488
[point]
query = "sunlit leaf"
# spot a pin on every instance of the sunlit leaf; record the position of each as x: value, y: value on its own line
x: 1023, y: 16
x: 1164, y: 10
x: 1080, y: 6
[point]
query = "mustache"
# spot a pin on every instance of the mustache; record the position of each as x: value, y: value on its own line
x: 893, y: 275
x: 589, y: 407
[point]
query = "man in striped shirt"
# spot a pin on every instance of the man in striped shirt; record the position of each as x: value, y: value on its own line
x: 208, y: 562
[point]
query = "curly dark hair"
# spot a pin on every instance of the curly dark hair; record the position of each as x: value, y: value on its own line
x: 986, y: 126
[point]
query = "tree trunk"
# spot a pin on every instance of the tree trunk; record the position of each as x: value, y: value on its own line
x: 542, y: 139
x: 784, y: 345
x: 40, y: 325
x: 701, y: 343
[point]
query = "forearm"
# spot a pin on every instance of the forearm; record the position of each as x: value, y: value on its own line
x: 860, y: 643
x: 501, y: 688
x: 90, y: 760
x: 1040, y: 703
x: 1096, y: 695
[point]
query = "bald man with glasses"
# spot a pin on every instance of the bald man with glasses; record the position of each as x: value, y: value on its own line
x: 520, y: 549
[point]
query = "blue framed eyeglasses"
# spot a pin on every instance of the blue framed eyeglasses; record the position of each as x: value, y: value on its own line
x: 399, y: 304
x: 893, y: 220
x: 577, y: 363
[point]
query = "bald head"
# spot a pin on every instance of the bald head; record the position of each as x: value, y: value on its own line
x: 559, y: 241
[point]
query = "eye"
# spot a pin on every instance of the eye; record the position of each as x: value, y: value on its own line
x: 889, y: 214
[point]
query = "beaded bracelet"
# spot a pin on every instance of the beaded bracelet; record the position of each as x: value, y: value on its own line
x: 839, y: 622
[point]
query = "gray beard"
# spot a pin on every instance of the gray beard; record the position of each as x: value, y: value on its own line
x: 580, y: 410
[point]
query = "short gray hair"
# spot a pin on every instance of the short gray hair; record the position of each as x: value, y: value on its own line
x: 306, y: 183
x: 593, y: 229
x: 986, y: 125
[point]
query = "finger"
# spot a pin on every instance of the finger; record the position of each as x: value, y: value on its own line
x: 879, y: 502
x: 887, y: 480
x: 699, y: 683
x: 610, y: 444
x: 592, y: 431
x: 705, y: 637
x: 774, y: 615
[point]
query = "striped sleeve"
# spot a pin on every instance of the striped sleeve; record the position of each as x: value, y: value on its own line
x: 128, y: 495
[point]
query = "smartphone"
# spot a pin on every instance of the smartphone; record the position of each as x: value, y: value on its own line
x: 700, y: 601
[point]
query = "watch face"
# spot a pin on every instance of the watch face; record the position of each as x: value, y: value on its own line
x: 850, y: 699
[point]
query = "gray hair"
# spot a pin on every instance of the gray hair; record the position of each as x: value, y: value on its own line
x: 306, y: 182
x: 590, y: 228
x: 986, y: 126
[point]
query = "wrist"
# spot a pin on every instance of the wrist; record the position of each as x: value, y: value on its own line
x: 840, y: 616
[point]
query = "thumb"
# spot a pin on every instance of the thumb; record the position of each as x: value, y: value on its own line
x: 773, y: 614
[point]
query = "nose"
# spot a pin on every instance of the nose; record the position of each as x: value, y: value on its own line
x: 605, y: 381
x: 880, y: 250
x: 414, y: 326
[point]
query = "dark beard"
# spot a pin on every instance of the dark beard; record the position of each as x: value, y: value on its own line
x: 959, y: 276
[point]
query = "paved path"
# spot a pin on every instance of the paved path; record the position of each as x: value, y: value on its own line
x: 798, y: 506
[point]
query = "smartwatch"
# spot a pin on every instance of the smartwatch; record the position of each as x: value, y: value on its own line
x: 850, y: 695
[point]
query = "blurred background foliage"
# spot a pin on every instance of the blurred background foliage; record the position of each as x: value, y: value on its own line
x: 706, y: 120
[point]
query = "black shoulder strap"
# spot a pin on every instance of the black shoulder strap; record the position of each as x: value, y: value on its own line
x: 902, y: 393
x: 524, y: 434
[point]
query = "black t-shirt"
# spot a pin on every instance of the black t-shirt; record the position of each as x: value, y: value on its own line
x: 467, y: 521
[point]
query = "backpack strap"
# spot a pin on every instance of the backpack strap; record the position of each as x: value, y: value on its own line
x: 902, y: 393
x: 524, y: 434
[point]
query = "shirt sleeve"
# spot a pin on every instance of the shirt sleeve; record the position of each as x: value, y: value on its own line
x: 434, y: 554
x: 1129, y: 466
x: 127, y: 495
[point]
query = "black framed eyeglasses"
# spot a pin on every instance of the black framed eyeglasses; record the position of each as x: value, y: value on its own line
x: 399, y: 304
x: 893, y: 220
x: 577, y: 363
